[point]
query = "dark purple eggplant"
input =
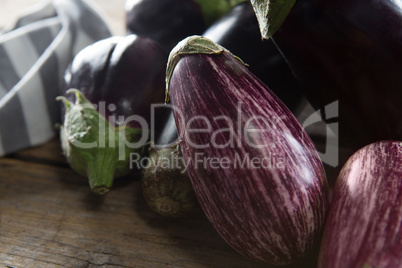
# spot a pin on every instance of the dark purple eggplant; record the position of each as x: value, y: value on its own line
x: 346, y: 51
x: 364, y: 225
x: 168, y: 136
x: 255, y: 171
x: 165, y: 183
x: 110, y: 87
x: 165, y: 21
x: 169, y: 21
x: 238, y: 32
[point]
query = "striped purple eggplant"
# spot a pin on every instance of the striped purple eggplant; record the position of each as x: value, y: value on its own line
x: 364, y: 225
x: 255, y: 171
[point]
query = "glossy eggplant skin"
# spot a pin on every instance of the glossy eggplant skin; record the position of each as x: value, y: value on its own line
x: 364, y: 224
x: 168, y: 135
x: 238, y: 32
x: 165, y: 21
x: 349, y: 51
x: 270, y: 214
x: 125, y: 72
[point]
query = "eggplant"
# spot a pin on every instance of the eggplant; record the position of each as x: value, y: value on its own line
x: 238, y: 32
x: 165, y: 183
x: 169, y: 21
x: 346, y: 51
x: 364, y: 223
x: 109, y: 88
x: 254, y: 170
x: 165, y: 21
x: 168, y: 190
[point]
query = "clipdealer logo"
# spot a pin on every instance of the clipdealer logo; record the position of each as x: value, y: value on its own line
x: 236, y: 129
x: 330, y: 115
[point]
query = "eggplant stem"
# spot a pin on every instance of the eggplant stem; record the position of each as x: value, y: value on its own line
x: 271, y: 14
x: 73, y: 91
x: 100, y: 190
x: 101, y: 172
x: 65, y: 101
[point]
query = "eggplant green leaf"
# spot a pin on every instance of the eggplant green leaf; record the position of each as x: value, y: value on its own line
x: 271, y: 14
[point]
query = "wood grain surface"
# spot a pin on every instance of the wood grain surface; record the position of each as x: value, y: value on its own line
x: 49, y: 218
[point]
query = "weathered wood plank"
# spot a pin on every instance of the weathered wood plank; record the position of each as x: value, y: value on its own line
x: 49, y: 218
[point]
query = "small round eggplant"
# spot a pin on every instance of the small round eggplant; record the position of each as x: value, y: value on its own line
x: 166, y: 186
x: 364, y: 225
x: 165, y: 183
x: 254, y: 169
x: 110, y: 87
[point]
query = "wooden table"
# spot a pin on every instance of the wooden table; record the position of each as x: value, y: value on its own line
x: 49, y: 218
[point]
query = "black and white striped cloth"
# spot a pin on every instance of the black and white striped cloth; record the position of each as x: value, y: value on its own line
x: 33, y: 57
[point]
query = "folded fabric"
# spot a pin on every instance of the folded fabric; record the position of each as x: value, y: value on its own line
x: 33, y: 57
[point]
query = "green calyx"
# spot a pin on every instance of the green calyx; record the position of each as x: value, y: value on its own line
x: 93, y: 147
x: 271, y: 14
x: 192, y: 45
x: 214, y: 9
